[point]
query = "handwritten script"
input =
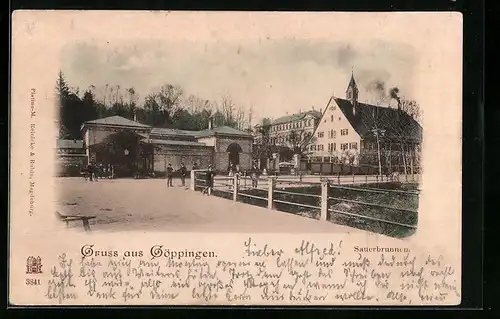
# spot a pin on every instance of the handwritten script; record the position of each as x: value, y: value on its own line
x: 307, y: 274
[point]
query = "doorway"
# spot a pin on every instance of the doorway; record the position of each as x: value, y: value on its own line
x: 234, y: 151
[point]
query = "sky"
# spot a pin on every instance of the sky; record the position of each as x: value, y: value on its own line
x: 272, y: 76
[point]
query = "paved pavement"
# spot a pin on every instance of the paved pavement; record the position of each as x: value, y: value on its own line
x: 128, y: 204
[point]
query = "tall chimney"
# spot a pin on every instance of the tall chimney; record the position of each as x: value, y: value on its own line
x: 135, y: 116
x: 210, y: 123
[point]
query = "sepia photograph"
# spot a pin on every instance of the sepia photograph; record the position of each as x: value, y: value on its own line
x: 235, y: 158
x: 317, y: 129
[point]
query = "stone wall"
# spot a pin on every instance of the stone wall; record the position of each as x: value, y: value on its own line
x: 176, y: 154
x: 221, y: 156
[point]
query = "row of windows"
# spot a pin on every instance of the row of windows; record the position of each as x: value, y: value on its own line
x: 293, y: 125
x: 333, y: 147
x: 333, y: 133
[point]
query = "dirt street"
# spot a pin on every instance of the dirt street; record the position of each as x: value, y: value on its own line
x: 128, y: 204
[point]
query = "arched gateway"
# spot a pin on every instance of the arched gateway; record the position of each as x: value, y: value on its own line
x: 234, y: 150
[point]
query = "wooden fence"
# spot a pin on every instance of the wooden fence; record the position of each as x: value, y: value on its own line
x: 234, y: 187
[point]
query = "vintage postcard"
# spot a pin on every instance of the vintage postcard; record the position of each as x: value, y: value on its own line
x: 235, y: 158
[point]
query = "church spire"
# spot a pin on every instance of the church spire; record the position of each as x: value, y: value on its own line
x: 352, y: 92
x: 352, y: 83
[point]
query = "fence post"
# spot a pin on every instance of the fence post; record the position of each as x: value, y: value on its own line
x: 366, y: 179
x: 193, y: 178
x: 338, y: 178
x: 235, y: 187
x: 353, y: 176
x: 270, y: 191
x: 324, y: 199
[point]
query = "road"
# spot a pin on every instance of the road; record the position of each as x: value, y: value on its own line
x: 128, y: 204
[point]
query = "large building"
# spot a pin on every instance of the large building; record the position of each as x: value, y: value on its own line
x: 282, y: 129
x: 133, y: 147
x: 357, y: 133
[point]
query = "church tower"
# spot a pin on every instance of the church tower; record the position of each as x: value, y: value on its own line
x: 352, y: 93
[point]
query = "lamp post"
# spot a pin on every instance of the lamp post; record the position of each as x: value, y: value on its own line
x: 378, y: 132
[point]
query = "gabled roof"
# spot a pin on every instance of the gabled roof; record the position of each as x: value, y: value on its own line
x: 296, y: 117
x: 69, y: 144
x: 396, y: 123
x: 117, y: 121
x: 222, y: 130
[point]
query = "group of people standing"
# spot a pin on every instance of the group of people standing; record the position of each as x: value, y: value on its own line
x: 93, y: 172
x: 182, y: 173
x: 254, y: 173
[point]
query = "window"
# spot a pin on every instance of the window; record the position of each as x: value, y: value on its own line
x: 334, y: 134
x: 343, y: 132
x: 331, y: 118
x: 344, y: 146
x: 334, y: 146
x: 321, y: 134
x: 353, y: 146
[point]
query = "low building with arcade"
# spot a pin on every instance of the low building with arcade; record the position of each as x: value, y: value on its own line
x: 135, y: 148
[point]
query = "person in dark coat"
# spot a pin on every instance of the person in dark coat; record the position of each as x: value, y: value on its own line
x: 170, y: 175
x: 183, y: 173
x: 91, y: 172
x: 209, y: 180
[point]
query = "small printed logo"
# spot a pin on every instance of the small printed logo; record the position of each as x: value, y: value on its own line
x: 34, y: 265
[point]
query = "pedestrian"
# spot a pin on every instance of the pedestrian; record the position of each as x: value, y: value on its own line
x: 90, y: 172
x: 183, y: 173
x: 230, y: 175
x: 170, y: 173
x: 209, y: 180
x: 255, y: 177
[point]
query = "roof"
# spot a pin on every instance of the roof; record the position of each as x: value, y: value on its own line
x: 222, y: 130
x: 117, y: 121
x: 169, y: 132
x: 296, y: 117
x: 69, y: 143
x: 395, y: 122
x: 173, y: 142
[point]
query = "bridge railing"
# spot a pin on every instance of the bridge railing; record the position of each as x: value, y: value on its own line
x: 266, y: 190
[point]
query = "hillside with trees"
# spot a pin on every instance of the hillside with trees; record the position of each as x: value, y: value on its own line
x: 168, y: 107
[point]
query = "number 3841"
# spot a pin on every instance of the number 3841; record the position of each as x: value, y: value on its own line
x: 33, y: 282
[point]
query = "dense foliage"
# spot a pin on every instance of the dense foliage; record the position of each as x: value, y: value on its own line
x: 169, y: 107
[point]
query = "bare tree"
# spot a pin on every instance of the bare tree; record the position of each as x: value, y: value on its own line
x: 395, y: 127
x: 300, y: 141
x: 168, y: 99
